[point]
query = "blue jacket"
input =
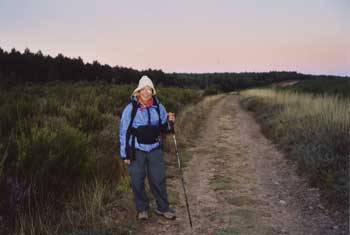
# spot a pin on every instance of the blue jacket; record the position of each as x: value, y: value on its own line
x: 141, y: 119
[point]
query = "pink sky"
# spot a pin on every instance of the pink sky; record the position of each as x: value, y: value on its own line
x: 186, y: 36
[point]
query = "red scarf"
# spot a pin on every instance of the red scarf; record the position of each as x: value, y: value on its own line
x: 144, y: 106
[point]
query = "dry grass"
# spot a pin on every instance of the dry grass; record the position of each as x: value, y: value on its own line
x: 313, y: 130
x: 327, y: 110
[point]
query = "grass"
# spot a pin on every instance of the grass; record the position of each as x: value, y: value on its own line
x: 90, y: 211
x: 240, y: 200
x: 227, y: 231
x: 185, y: 158
x: 242, y: 221
x: 312, y: 130
x: 337, y: 86
x: 219, y: 182
x: 59, y: 143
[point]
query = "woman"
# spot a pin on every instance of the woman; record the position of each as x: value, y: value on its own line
x: 143, y: 120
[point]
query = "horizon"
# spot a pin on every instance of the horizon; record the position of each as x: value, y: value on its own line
x: 196, y: 73
x: 186, y: 37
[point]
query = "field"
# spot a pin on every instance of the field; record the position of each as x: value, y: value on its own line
x: 59, y: 150
x: 336, y: 86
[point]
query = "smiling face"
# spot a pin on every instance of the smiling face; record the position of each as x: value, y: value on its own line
x: 146, y: 94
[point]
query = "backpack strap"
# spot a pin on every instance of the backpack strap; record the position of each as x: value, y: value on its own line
x: 161, y: 127
x: 130, y: 150
x: 156, y: 103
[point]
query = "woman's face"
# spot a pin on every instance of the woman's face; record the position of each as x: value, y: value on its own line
x: 146, y: 94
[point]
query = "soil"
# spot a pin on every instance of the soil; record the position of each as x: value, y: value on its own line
x: 238, y: 183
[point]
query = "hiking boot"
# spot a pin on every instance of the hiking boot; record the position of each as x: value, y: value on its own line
x: 143, y: 215
x: 168, y: 214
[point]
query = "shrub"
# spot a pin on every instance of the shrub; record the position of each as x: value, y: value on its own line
x: 86, y: 118
x: 53, y: 159
x: 212, y: 90
x: 50, y: 106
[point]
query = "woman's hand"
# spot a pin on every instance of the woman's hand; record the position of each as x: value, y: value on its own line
x: 126, y: 161
x: 171, y: 117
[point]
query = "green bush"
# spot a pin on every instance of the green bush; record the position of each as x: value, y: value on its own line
x: 53, y: 158
x: 211, y: 90
x: 50, y: 106
x: 86, y: 118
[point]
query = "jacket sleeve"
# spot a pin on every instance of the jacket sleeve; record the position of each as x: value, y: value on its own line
x: 163, y: 114
x: 123, y: 127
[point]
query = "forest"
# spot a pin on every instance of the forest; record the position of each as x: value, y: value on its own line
x: 30, y: 67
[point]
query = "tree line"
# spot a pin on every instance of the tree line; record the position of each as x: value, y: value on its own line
x: 30, y: 67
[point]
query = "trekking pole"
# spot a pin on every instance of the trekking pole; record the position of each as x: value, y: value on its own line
x: 182, y: 177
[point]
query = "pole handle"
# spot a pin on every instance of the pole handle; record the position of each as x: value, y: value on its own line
x: 171, y: 125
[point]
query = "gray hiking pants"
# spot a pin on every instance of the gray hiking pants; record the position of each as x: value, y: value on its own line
x: 151, y: 164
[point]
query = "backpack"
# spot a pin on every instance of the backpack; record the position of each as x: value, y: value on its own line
x: 130, y: 150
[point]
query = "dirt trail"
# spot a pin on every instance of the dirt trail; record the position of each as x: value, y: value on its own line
x: 238, y: 183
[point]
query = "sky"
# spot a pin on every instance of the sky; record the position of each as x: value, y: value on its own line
x: 197, y: 36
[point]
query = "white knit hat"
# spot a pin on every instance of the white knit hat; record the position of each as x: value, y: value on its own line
x: 144, y: 81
